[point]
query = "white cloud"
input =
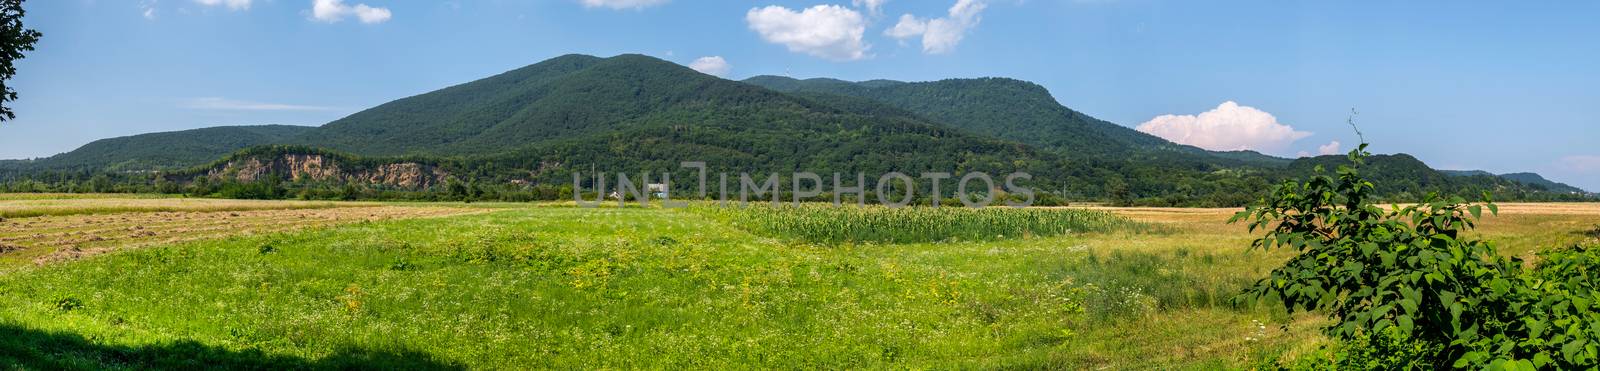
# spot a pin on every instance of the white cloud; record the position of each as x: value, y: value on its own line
x: 224, y: 104
x: 873, y: 6
x: 909, y: 26
x: 148, y: 9
x: 331, y: 11
x: 1229, y: 127
x: 230, y: 4
x: 826, y: 31
x: 1581, y: 164
x: 1332, y: 148
x: 941, y: 35
x: 713, y: 65
x: 622, y: 4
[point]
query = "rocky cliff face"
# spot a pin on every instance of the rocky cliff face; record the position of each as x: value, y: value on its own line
x: 293, y: 167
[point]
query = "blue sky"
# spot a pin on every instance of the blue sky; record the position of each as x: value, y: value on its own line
x: 1499, y: 86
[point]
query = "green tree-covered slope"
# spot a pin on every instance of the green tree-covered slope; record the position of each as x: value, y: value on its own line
x: 1538, y: 180
x: 631, y: 110
x: 1016, y: 110
x: 635, y: 113
x: 1402, y: 174
x: 166, y: 149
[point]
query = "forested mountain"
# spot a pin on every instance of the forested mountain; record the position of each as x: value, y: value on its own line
x: 1538, y: 180
x: 1465, y: 172
x: 1403, y: 174
x: 165, y: 150
x: 1531, y: 179
x: 631, y: 111
x: 445, y: 119
x: 529, y: 129
x: 575, y: 97
x: 1015, y: 110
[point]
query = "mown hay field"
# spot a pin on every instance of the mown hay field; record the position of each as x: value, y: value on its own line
x: 13, y: 207
x: 36, y: 229
x: 452, y: 286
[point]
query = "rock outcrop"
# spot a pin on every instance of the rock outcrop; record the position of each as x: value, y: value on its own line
x: 319, y: 168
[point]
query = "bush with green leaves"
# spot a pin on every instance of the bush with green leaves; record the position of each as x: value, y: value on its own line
x: 1411, y: 276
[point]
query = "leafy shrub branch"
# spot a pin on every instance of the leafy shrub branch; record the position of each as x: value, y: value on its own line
x: 1412, y: 277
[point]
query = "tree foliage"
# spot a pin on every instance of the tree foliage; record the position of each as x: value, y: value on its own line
x: 1413, y: 277
x: 14, y: 40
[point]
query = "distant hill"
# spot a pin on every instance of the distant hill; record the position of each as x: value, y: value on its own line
x: 1005, y: 108
x: 1014, y: 110
x: 631, y: 111
x: 1530, y: 179
x: 1466, y: 172
x: 166, y: 149
x: 1537, y: 180
x: 1400, y: 173
x: 536, y: 125
x: 1404, y: 174
x: 457, y: 117
x: 1252, y: 158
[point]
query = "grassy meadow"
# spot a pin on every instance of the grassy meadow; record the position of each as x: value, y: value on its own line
x: 554, y: 286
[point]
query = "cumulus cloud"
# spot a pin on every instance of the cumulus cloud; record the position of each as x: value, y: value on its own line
x: 940, y: 35
x: 331, y: 11
x: 224, y: 104
x: 1229, y: 127
x: 713, y: 65
x: 622, y: 4
x: 908, y: 26
x: 230, y: 4
x: 1332, y: 148
x: 873, y: 6
x: 826, y: 31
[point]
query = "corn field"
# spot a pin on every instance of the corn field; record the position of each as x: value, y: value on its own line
x: 823, y: 224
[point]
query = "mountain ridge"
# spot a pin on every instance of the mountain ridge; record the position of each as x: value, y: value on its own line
x: 1539, y: 180
x: 539, y: 123
x: 180, y: 148
x: 1032, y: 115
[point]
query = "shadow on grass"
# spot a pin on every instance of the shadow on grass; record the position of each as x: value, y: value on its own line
x: 33, y: 349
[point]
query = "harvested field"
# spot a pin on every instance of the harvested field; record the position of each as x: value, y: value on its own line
x: 24, y: 208
x: 41, y: 240
x: 76, y: 196
x: 1552, y: 208
x: 1521, y: 229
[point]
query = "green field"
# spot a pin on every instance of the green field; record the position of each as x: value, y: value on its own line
x: 561, y: 287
